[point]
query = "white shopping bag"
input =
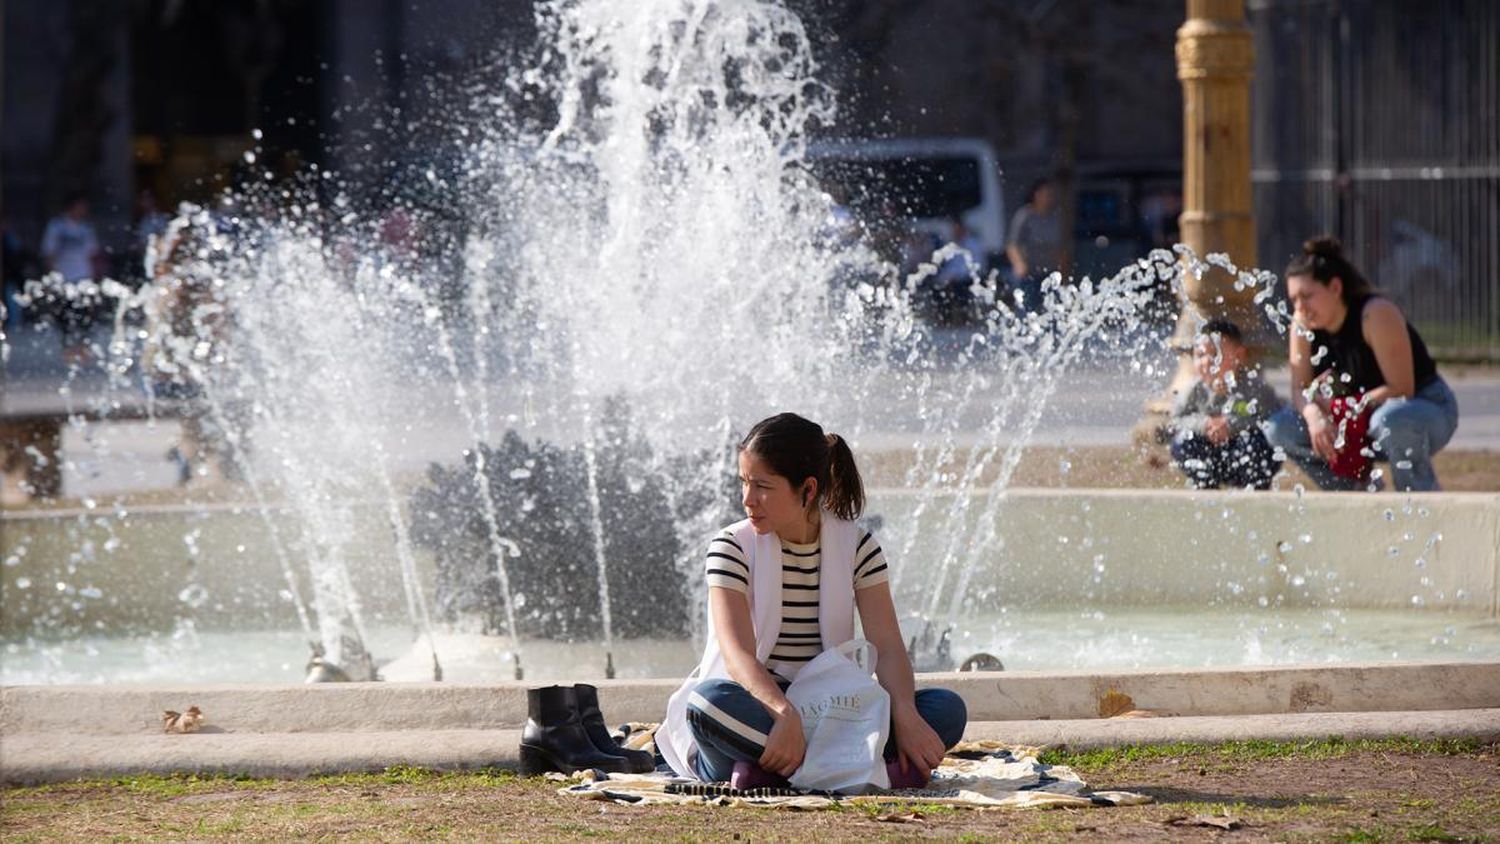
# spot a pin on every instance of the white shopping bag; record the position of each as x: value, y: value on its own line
x: 846, y: 716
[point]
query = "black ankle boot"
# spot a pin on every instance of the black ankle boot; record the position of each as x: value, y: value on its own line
x: 554, y: 738
x: 587, y: 696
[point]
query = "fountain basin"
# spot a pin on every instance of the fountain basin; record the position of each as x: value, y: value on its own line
x: 1063, y: 548
x: 97, y: 570
x: 1090, y: 579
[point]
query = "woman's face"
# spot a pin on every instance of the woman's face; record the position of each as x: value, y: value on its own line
x: 770, y: 501
x: 1316, y: 305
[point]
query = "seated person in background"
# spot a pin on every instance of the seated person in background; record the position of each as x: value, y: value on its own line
x: 1216, y: 434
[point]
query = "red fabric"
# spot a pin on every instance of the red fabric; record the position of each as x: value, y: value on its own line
x: 1353, y: 422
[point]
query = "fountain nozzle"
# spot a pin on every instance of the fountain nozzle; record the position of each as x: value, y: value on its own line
x: 609, y: 665
x: 520, y: 672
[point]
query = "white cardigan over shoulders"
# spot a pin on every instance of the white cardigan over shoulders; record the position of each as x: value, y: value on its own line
x: 839, y: 538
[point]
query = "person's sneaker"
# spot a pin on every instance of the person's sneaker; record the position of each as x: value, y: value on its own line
x: 748, y: 775
x: 912, y: 777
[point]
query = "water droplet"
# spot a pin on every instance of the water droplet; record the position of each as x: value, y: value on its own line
x: 91, y: 592
x: 23, y: 583
x: 1389, y: 514
x: 194, y: 595
x: 1299, y: 580
x: 1416, y: 601
x: 1285, y: 547
x: 1421, y: 562
x: 1393, y: 551
x: 1263, y: 601
x: 520, y: 474
x: 1306, y: 538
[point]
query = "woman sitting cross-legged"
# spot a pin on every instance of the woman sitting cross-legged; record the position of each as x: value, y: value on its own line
x: 784, y: 585
x: 1354, y: 356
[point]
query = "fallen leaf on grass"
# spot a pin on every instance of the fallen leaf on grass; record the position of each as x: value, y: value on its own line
x: 1218, y: 821
x: 904, y: 817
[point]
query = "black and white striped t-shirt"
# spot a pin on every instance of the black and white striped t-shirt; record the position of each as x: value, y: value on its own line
x: 800, y: 639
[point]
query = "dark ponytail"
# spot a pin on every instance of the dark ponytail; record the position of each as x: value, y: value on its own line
x: 846, y: 492
x: 1323, y: 259
x: 797, y: 449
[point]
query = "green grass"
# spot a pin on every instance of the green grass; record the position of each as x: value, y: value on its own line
x: 1255, y: 749
x: 1449, y: 797
x: 1430, y: 832
x: 413, y: 775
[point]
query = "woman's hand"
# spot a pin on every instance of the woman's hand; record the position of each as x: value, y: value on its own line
x: 786, y: 745
x: 917, y: 745
x: 1319, y: 432
x: 1322, y: 389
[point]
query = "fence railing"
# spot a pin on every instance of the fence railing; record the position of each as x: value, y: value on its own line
x: 1379, y: 121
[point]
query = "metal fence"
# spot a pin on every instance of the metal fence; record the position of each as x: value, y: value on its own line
x: 1379, y: 121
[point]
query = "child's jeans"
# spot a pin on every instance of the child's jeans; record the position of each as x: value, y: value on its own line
x: 1247, y: 461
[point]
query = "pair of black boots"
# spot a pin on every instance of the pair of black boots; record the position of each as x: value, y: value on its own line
x: 565, y: 732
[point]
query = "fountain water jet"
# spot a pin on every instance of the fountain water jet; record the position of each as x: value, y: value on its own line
x: 660, y: 241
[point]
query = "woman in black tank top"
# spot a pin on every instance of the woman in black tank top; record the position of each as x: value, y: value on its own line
x: 1347, y: 340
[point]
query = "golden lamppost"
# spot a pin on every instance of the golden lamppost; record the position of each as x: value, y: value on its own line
x: 1215, y: 58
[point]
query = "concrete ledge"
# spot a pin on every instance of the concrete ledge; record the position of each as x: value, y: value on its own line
x: 39, y: 758
x: 1002, y: 696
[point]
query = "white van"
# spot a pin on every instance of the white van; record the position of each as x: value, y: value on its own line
x: 929, y: 181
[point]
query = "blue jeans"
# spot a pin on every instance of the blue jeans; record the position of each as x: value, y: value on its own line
x: 731, y: 726
x: 1404, y: 432
x: 1246, y: 461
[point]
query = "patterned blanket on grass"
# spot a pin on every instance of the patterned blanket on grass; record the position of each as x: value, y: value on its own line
x: 983, y: 774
